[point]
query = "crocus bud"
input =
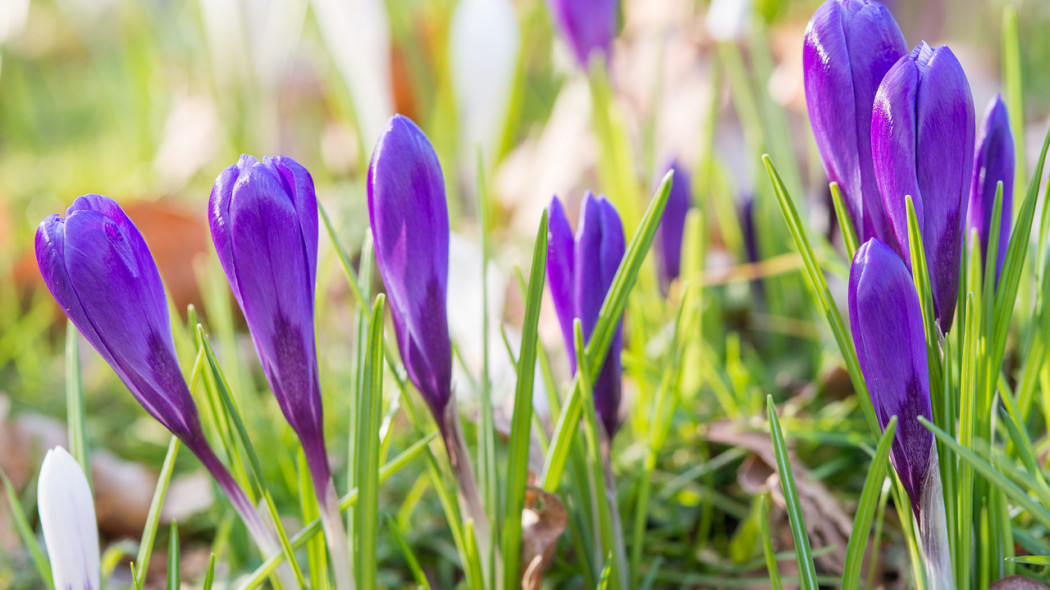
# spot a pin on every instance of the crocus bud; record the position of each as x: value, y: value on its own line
x: 409, y: 217
x: 97, y: 266
x: 263, y: 218
x: 849, y: 46
x: 580, y: 272
x: 886, y: 321
x: 67, y: 517
x: 586, y: 25
x: 922, y: 132
x: 672, y: 225
x: 101, y: 273
x: 993, y: 163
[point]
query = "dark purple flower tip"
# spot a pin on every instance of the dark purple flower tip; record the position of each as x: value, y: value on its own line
x: 409, y: 217
x: 587, y: 26
x: 849, y: 46
x: 263, y: 218
x: 97, y: 266
x: 886, y: 321
x: 993, y: 162
x: 672, y: 225
x: 580, y: 272
x: 922, y: 137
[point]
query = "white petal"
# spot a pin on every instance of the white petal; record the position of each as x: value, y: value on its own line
x: 67, y: 516
x: 728, y: 19
x: 484, y: 41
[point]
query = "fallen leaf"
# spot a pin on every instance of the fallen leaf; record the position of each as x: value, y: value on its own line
x: 542, y: 522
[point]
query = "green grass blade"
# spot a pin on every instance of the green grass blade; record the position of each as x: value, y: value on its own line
x: 75, y: 402
x: 849, y: 232
x: 819, y: 286
x: 521, y: 417
x: 1015, y: 493
x: 350, y: 499
x: 366, y: 512
x: 1010, y: 279
x: 608, y: 318
x: 174, y: 577
x: 409, y: 555
x: 488, y: 477
x: 209, y: 575
x: 149, y: 531
x: 767, y: 544
x: 43, y: 567
x: 803, y: 555
x: 866, y: 506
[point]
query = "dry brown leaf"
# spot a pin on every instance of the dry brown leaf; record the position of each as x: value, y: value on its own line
x: 826, y: 521
x: 543, y: 520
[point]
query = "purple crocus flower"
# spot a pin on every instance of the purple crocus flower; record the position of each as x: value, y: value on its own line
x: 96, y: 264
x: 993, y: 162
x: 849, y: 46
x: 922, y: 137
x: 580, y: 272
x: 672, y: 226
x: 587, y: 26
x: 886, y: 321
x: 263, y: 218
x: 409, y: 217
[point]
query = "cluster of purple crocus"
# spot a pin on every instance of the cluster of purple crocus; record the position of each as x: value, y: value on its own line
x: 891, y: 124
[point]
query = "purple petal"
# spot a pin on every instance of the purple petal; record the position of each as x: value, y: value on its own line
x: 672, y: 225
x: 922, y: 141
x: 100, y: 271
x: 586, y: 25
x: 849, y: 46
x: 219, y: 218
x: 560, y: 254
x: 600, y: 247
x: 993, y: 162
x: 272, y: 267
x: 886, y: 322
x: 409, y: 218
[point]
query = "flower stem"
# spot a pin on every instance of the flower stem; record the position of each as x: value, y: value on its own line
x: 933, y: 530
x: 467, y: 485
x: 605, y: 446
x: 335, y: 533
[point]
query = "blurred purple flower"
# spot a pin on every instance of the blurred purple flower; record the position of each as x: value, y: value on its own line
x: 263, y: 218
x: 672, y: 225
x: 97, y: 266
x: 409, y: 217
x: 993, y: 162
x: 886, y: 321
x: 849, y: 46
x: 587, y: 26
x: 580, y: 272
x: 922, y: 137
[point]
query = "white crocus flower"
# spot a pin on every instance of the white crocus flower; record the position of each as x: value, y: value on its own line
x: 484, y: 56
x: 67, y: 515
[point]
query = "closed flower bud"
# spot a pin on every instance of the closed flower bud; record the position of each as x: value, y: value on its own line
x: 67, y: 517
x: 101, y: 273
x: 97, y: 266
x: 993, y: 163
x: 263, y: 218
x: 886, y: 321
x: 580, y: 271
x: 672, y: 226
x: 588, y: 26
x: 409, y: 217
x: 849, y: 46
x: 922, y: 137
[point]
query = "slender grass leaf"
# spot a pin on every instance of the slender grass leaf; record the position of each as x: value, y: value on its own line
x: 866, y: 506
x: 803, y: 554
